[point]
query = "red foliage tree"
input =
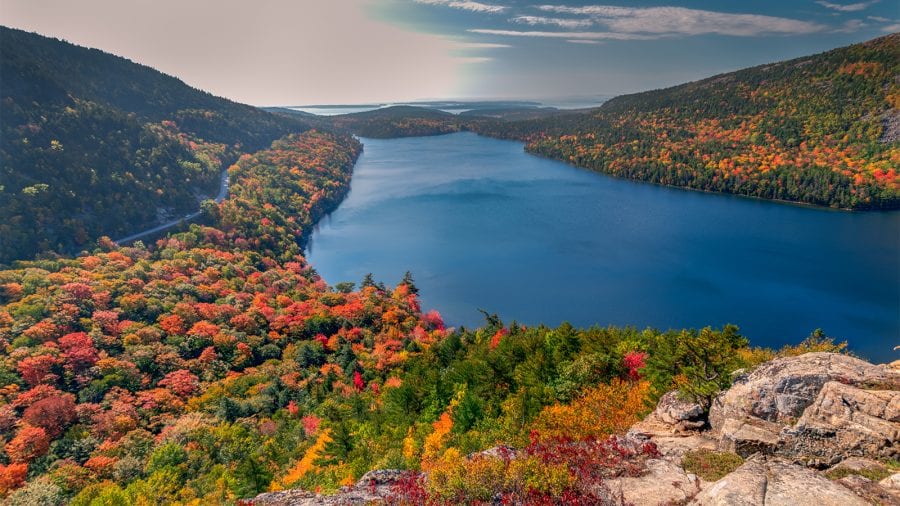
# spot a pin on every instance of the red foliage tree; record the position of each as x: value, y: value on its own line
x: 358, y: 381
x: 79, y: 353
x: 52, y: 414
x: 181, y: 382
x: 633, y: 362
x: 498, y: 336
x: 36, y: 370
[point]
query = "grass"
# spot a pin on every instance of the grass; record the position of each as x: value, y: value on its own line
x: 711, y: 465
x: 872, y: 473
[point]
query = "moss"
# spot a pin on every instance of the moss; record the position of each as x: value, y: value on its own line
x: 872, y: 473
x: 711, y: 465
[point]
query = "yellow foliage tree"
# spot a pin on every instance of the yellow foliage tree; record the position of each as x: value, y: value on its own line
x: 434, y: 442
x: 601, y: 411
x: 305, y: 464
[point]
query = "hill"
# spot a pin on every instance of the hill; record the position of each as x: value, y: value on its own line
x: 396, y: 121
x: 819, y: 130
x: 93, y: 144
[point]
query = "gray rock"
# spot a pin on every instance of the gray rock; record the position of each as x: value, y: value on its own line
x: 672, y: 416
x: 779, y: 391
x: 845, y: 421
x: 811, y: 406
x: 891, y: 482
x: 870, y: 491
x: 373, y: 488
x: 774, y: 482
x: 663, y: 483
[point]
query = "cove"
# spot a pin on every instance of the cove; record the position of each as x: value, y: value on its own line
x: 482, y: 224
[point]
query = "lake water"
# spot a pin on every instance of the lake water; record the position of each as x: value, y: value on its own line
x: 482, y: 224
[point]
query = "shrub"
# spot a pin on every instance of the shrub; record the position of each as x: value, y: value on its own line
x: 815, y: 342
x: 601, y: 411
x: 711, y: 465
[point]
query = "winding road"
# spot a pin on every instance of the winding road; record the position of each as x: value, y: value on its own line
x: 223, y: 192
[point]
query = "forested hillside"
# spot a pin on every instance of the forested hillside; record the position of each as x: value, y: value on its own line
x: 218, y: 365
x: 396, y: 121
x: 93, y: 144
x: 819, y: 130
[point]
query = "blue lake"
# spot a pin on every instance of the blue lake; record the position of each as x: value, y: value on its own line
x: 482, y: 224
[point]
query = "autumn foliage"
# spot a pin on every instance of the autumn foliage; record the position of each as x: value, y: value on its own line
x: 216, y: 365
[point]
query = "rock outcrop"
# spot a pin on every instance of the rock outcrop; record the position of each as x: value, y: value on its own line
x: 845, y: 421
x: 664, y: 482
x: 774, y: 482
x: 792, y: 417
x: 373, y: 488
x: 818, y: 406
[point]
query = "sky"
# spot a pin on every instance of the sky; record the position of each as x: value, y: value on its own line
x: 303, y: 52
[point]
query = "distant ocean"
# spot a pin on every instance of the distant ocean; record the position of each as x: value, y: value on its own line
x: 451, y: 106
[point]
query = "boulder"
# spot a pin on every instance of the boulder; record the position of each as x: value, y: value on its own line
x: 871, y: 491
x: 663, y: 483
x: 774, y: 482
x: 746, y: 436
x: 675, y: 426
x: 845, y: 421
x: 753, y: 415
x: 373, y: 488
x: 892, y: 482
x: 672, y: 416
x: 780, y: 390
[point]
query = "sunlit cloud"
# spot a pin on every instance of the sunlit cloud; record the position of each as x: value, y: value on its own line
x: 473, y: 59
x: 684, y: 21
x: 891, y: 28
x: 466, y: 5
x: 563, y: 35
x: 482, y: 45
x: 846, y: 7
x: 582, y: 41
x: 560, y: 22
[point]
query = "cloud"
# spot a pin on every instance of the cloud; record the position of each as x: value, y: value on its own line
x: 582, y: 41
x: 481, y: 45
x: 560, y: 22
x: 891, y: 28
x: 563, y: 35
x: 684, y: 21
x: 473, y: 59
x: 466, y: 5
x: 852, y: 25
x: 846, y: 7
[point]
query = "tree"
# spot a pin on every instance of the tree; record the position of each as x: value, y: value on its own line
x: 79, y: 353
x: 410, y: 284
x: 699, y: 364
x: 181, y: 382
x: 53, y: 414
x: 36, y: 370
x: 29, y: 443
x: 12, y: 476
